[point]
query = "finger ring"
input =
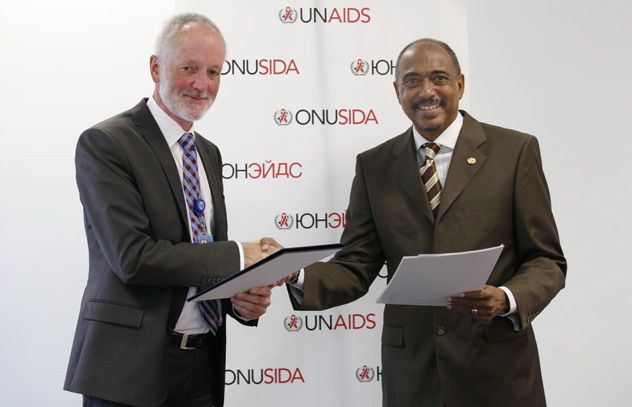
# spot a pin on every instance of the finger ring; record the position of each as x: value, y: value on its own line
x: 474, y: 311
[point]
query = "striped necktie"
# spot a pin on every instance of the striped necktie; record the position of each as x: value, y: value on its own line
x: 430, y: 178
x: 191, y: 185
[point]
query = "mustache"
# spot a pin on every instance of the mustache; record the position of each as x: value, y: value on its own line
x: 196, y: 94
x: 428, y: 102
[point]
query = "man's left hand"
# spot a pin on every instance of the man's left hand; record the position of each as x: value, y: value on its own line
x: 253, y: 303
x: 484, y: 304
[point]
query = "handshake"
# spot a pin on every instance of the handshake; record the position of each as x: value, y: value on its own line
x: 254, y: 302
x: 258, y: 250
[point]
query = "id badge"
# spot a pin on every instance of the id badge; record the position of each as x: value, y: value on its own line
x: 205, y: 239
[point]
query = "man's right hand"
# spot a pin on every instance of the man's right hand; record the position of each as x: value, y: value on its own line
x: 269, y: 245
x: 252, y: 253
x: 255, y: 251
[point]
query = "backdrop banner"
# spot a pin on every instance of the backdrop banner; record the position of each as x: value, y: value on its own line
x: 305, y: 88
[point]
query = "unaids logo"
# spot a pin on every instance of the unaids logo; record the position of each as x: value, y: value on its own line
x: 326, y: 15
x: 293, y: 323
x: 283, y: 117
x: 284, y: 221
x: 328, y: 323
x: 327, y: 220
x: 365, y: 374
x: 315, y: 117
x: 359, y: 67
x: 270, y: 375
x: 373, y: 67
x: 288, y: 15
x: 263, y: 66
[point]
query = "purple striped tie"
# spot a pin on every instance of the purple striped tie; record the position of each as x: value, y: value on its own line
x: 191, y: 185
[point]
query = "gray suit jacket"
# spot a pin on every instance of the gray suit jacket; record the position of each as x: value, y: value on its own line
x: 141, y: 259
x: 430, y: 355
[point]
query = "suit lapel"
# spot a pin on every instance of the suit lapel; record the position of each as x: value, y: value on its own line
x: 213, y: 174
x: 462, y: 167
x: 150, y: 131
x: 406, y: 171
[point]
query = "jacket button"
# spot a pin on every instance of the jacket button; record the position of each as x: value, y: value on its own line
x: 439, y: 331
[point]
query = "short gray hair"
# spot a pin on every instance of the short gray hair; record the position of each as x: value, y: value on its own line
x: 177, y: 23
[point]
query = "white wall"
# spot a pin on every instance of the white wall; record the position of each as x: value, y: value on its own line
x: 561, y: 70
x: 65, y: 66
x: 557, y: 69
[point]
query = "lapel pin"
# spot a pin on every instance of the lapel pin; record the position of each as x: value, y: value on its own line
x: 471, y: 160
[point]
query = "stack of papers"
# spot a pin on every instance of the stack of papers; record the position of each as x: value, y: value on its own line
x: 428, y: 279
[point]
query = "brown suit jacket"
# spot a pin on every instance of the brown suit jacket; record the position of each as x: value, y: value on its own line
x: 141, y: 260
x: 430, y: 355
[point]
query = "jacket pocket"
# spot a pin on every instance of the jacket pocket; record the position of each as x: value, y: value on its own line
x: 393, y: 336
x: 113, y: 313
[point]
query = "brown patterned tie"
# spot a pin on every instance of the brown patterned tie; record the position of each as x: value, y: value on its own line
x: 430, y: 178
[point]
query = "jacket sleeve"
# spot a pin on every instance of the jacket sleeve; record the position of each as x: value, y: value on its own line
x: 350, y: 273
x: 541, y: 271
x: 119, y: 229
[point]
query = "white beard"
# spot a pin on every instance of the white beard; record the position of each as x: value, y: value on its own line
x: 176, y: 104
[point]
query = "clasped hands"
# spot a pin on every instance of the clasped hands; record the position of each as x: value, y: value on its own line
x: 258, y: 250
x: 261, y: 249
x: 253, y: 303
x: 484, y: 304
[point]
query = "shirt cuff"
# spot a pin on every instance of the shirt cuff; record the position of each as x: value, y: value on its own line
x: 241, y: 267
x: 297, y: 289
x: 241, y: 256
x: 513, y: 307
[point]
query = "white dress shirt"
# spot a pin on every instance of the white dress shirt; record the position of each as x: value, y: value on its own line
x: 190, y: 320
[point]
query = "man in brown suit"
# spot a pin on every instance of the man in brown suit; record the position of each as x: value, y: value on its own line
x: 479, y: 350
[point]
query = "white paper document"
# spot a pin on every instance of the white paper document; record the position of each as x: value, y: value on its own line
x: 428, y: 279
x: 267, y: 271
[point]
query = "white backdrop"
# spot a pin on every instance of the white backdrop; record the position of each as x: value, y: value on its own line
x: 313, y: 59
x: 557, y: 69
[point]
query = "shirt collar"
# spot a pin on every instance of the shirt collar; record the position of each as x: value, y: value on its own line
x: 169, y: 128
x: 446, y: 139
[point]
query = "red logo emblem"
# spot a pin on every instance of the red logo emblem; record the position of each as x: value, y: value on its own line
x: 288, y: 15
x: 359, y: 67
x: 283, y: 117
x: 365, y: 374
x: 293, y: 323
x: 284, y: 221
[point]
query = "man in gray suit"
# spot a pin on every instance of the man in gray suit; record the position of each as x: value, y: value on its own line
x: 448, y: 184
x: 155, y: 221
